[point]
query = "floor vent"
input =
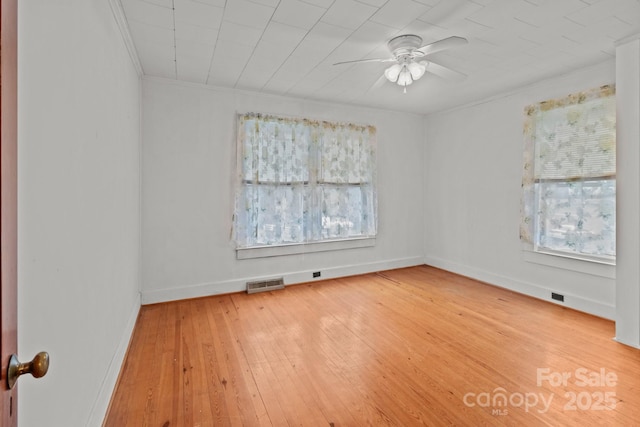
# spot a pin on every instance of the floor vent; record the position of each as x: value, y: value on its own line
x: 265, y: 285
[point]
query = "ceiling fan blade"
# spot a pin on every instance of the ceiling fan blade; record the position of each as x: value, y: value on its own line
x: 443, y: 44
x: 366, y: 60
x: 442, y: 71
x: 378, y: 84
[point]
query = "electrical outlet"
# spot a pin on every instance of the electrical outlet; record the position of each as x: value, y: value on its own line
x: 316, y: 274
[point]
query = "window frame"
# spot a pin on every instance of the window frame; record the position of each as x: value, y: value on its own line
x: 312, y: 189
x: 535, y: 176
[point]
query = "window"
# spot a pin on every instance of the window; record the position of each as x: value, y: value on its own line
x: 303, y: 181
x: 569, y: 177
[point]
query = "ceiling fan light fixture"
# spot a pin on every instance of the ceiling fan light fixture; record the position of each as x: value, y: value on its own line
x: 393, y: 72
x: 404, y: 78
x: 417, y: 70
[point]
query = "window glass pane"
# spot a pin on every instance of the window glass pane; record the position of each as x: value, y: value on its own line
x: 342, y: 211
x: 279, y: 214
x: 577, y: 217
x: 576, y: 141
x: 346, y: 157
x: 275, y: 152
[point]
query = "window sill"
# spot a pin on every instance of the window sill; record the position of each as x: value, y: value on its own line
x: 304, y: 248
x: 591, y: 267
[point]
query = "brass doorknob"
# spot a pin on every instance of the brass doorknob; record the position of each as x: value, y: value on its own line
x: 38, y: 367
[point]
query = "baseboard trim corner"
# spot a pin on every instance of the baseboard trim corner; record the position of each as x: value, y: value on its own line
x: 531, y: 289
x: 103, y: 400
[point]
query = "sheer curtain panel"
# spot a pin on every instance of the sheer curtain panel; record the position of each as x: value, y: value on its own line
x: 569, y: 175
x: 303, y: 181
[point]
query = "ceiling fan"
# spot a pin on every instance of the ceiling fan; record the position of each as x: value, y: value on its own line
x: 408, y: 56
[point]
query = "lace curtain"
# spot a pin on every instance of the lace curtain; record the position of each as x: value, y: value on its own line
x: 569, y: 168
x: 303, y: 181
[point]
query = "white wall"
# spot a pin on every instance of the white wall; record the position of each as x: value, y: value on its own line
x: 472, y: 197
x: 188, y: 166
x: 78, y: 235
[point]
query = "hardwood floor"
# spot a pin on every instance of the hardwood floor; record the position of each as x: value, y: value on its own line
x: 415, y: 346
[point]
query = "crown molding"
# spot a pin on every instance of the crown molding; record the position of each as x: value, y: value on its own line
x: 121, y: 20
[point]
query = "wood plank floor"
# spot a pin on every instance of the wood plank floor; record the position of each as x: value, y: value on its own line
x: 415, y: 346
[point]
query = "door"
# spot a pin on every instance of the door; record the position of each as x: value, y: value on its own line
x: 8, y: 204
x: 10, y: 367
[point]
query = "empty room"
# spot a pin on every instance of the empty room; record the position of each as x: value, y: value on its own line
x: 320, y: 212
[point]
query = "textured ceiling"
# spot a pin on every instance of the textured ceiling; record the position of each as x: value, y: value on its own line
x: 287, y: 47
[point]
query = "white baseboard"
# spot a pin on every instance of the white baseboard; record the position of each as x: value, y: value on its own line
x: 101, y: 404
x: 634, y: 344
x: 290, y: 278
x: 531, y: 289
